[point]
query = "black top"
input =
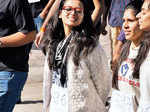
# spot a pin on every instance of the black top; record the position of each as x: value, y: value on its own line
x: 37, y: 7
x: 15, y: 16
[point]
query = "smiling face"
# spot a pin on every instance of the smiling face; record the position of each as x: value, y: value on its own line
x: 131, y: 26
x: 72, y: 13
x: 144, y: 16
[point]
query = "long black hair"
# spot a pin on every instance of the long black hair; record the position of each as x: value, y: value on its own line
x: 85, y: 38
x: 142, y: 53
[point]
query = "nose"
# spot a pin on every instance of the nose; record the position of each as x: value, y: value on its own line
x: 138, y: 15
x: 125, y: 25
x: 73, y: 12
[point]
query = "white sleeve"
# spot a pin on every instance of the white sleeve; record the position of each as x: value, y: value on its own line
x: 144, y: 103
x: 102, y: 75
x: 46, y: 87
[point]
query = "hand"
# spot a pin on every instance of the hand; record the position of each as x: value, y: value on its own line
x: 38, y: 39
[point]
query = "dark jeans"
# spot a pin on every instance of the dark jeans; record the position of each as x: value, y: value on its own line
x: 11, y: 85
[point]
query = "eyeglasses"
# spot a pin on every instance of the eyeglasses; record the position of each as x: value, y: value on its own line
x: 70, y: 9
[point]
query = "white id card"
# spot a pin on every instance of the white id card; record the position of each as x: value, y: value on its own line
x: 33, y: 1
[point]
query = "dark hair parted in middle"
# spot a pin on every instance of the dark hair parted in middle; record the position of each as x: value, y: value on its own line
x: 85, y: 38
x: 142, y: 53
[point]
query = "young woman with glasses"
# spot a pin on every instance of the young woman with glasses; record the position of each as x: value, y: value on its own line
x: 96, y: 9
x: 76, y: 77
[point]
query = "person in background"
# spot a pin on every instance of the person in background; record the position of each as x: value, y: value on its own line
x: 115, y: 20
x: 38, y: 13
x: 117, y: 49
x: 144, y: 24
x: 37, y: 6
x: 17, y: 32
x: 144, y: 16
x: 76, y: 74
x: 39, y: 10
x: 131, y: 77
x: 121, y: 40
x: 95, y: 8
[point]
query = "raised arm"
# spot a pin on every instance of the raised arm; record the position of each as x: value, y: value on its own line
x: 44, y: 12
x: 53, y: 6
x: 97, y: 10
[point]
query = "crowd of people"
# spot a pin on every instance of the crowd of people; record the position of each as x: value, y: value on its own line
x: 77, y: 76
